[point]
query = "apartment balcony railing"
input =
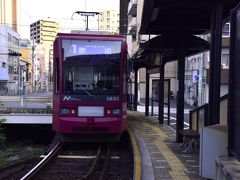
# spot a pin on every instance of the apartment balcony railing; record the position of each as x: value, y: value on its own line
x: 132, y: 8
x: 132, y: 25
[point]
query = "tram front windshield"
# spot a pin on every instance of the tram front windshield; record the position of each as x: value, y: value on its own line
x: 91, y: 67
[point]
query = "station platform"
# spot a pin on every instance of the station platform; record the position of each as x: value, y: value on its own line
x: 161, y: 157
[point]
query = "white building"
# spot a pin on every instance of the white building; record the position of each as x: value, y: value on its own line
x: 109, y: 21
x: 9, y: 43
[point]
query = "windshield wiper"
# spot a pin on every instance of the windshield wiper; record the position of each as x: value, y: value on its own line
x: 88, y: 93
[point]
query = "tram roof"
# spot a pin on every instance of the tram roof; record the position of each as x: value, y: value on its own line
x: 89, y: 35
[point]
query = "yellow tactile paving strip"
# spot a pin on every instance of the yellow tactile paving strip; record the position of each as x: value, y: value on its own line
x: 145, y: 127
x: 169, y: 156
x: 137, y: 156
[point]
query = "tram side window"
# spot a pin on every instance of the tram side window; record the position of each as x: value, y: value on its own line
x: 56, y: 70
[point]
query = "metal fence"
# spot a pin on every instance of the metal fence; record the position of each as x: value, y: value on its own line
x: 15, y: 88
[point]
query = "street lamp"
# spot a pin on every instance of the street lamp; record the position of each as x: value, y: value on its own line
x: 86, y: 14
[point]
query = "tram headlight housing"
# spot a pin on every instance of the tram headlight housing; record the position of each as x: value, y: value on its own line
x: 116, y: 111
x: 65, y: 111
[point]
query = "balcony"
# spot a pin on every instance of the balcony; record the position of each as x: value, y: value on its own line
x: 132, y: 25
x: 132, y: 8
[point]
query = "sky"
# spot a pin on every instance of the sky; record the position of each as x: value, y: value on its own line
x: 61, y: 10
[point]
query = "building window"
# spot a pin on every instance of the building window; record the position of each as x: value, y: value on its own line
x: 108, y: 13
x: 10, y: 69
x: 9, y: 37
x: 108, y: 26
x: 4, y: 64
x: 226, y: 30
x: 225, y: 60
x: 108, y: 20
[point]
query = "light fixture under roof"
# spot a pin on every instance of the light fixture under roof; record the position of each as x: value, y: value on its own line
x: 154, y: 14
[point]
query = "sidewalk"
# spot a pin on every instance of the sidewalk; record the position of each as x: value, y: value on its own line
x: 162, y: 157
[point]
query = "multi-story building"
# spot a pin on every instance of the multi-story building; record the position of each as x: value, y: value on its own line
x: 109, y: 21
x: 44, y: 32
x: 10, y: 13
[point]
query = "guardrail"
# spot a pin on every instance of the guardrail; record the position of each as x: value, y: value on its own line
x: 24, y: 99
x: 197, y: 120
x: 198, y: 116
x: 168, y: 109
x: 19, y: 110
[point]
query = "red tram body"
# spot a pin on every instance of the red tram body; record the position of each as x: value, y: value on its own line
x: 90, y: 87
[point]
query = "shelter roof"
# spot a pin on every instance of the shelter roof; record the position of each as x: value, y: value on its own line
x: 164, y: 16
x: 167, y: 46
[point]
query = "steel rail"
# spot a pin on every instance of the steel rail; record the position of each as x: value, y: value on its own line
x: 94, y: 164
x: 43, y: 163
x: 106, y: 164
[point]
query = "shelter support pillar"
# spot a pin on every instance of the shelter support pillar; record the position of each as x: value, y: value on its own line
x: 135, y: 89
x: 181, y: 51
x: 215, y: 63
x: 147, y: 94
x: 180, y: 99
x: 161, y: 95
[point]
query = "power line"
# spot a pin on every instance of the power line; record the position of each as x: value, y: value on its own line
x: 19, y: 4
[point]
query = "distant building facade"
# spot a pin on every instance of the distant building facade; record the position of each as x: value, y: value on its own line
x: 109, y: 21
x: 26, y: 64
x: 10, y: 13
x: 10, y: 44
x: 197, y: 73
x: 43, y: 34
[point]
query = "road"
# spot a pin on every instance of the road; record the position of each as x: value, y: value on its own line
x: 172, y: 123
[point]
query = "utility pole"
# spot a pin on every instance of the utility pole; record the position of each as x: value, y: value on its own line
x: 33, y: 80
x: 50, y: 66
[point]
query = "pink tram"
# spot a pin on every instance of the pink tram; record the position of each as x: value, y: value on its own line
x: 90, y: 87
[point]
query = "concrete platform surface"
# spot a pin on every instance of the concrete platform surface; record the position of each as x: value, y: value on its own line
x: 161, y: 157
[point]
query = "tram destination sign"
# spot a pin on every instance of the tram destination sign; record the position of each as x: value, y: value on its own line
x: 90, y: 47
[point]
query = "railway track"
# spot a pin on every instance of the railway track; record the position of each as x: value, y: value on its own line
x: 77, y: 161
x: 56, y: 166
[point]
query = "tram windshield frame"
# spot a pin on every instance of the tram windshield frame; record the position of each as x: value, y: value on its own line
x: 91, y: 67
